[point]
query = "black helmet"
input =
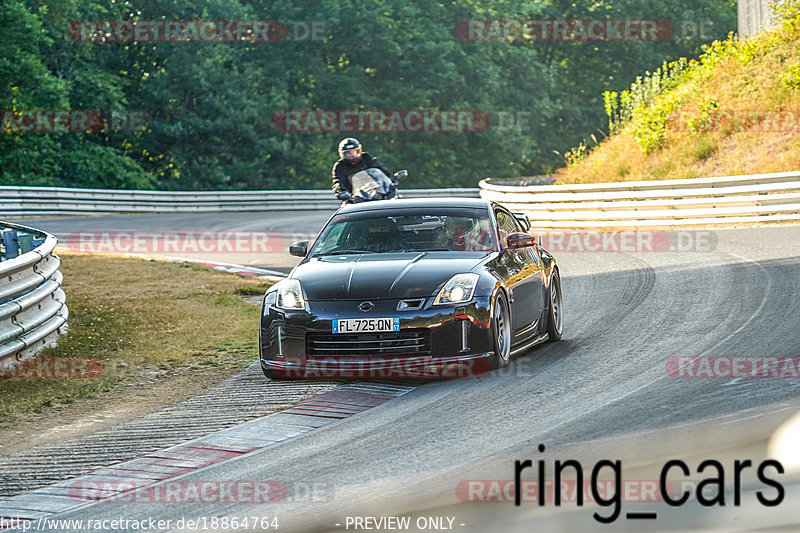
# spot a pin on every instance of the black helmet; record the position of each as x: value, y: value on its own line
x: 348, y: 145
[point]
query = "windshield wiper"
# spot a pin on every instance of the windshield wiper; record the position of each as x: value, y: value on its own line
x: 344, y: 252
x: 425, y: 250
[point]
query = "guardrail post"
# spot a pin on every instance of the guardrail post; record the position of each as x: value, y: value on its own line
x: 10, y: 243
x: 25, y: 242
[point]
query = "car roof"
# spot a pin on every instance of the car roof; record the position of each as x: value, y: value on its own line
x: 406, y: 203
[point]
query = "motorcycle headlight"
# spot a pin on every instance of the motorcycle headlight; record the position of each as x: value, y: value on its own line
x: 289, y: 295
x: 459, y: 289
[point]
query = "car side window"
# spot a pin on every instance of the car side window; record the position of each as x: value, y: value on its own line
x: 506, y: 224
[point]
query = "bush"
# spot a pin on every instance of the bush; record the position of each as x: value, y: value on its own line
x: 622, y: 107
x: 791, y: 78
x: 706, y: 116
x: 651, y: 129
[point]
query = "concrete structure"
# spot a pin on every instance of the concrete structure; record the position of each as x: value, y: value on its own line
x: 754, y: 16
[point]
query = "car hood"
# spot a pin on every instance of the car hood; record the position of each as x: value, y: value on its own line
x: 377, y: 276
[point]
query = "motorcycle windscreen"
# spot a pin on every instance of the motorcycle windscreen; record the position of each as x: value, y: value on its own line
x: 371, y: 184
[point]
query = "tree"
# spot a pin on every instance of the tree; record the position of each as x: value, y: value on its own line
x: 208, y: 108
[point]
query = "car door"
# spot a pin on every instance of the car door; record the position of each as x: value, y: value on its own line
x: 523, y: 270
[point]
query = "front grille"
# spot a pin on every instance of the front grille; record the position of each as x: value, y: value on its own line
x: 403, y: 342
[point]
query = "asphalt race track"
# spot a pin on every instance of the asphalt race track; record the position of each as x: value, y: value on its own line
x: 284, y: 227
x: 603, y: 392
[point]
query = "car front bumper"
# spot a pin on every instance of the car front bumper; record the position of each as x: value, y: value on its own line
x: 450, y: 341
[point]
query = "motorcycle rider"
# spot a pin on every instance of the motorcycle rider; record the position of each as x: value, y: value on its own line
x: 352, y: 159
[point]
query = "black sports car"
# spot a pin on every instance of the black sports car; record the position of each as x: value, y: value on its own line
x: 415, y: 288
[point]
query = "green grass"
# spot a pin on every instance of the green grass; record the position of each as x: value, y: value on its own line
x: 250, y: 290
x: 705, y: 146
x: 139, y: 317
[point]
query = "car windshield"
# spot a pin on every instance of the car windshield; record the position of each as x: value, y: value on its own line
x: 391, y: 230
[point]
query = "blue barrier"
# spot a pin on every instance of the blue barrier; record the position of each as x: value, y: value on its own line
x: 10, y: 244
x: 15, y: 243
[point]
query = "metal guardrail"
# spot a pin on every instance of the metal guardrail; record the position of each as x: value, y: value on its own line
x: 32, y: 305
x: 659, y: 203
x: 47, y: 201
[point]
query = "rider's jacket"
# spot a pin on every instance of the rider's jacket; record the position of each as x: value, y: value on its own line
x: 342, y: 170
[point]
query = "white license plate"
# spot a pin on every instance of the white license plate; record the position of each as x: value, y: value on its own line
x: 365, y: 325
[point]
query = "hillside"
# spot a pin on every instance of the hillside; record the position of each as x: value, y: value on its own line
x: 735, y: 111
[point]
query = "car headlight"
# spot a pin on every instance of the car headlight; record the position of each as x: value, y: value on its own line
x: 289, y: 295
x: 459, y: 289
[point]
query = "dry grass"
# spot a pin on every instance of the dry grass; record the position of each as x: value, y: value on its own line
x: 738, y: 85
x: 145, y: 320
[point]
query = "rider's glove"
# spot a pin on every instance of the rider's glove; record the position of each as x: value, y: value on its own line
x: 344, y: 195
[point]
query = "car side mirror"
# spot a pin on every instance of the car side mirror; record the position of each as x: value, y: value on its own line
x: 300, y: 248
x: 520, y: 240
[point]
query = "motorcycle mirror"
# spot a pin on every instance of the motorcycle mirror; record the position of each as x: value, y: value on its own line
x: 401, y: 175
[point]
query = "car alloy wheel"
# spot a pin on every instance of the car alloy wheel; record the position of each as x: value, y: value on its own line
x: 555, y: 317
x: 501, y: 331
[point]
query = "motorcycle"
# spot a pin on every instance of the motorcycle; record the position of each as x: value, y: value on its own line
x: 372, y: 184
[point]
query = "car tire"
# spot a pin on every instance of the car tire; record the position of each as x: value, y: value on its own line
x: 555, y: 313
x: 501, y: 331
